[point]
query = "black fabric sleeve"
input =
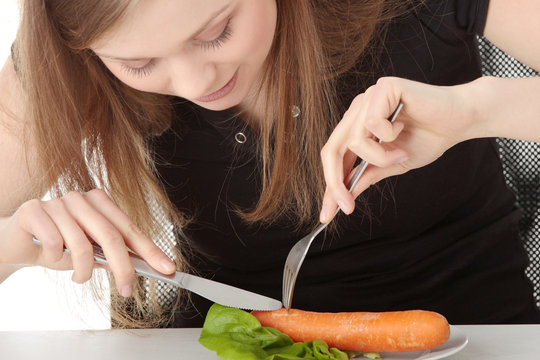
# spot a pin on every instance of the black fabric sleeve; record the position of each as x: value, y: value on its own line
x: 472, y: 14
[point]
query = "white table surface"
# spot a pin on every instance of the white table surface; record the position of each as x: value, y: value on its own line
x: 498, y: 342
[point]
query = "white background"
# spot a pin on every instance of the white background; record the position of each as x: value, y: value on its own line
x: 35, y: 298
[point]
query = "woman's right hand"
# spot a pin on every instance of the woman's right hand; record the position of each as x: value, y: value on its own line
x: 433, y: 119
x: 75, y: 221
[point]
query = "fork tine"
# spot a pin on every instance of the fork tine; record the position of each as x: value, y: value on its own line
x: 299, y: 250
x: 293, y: 263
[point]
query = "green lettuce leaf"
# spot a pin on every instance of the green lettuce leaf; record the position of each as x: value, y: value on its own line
x: 237, y: 335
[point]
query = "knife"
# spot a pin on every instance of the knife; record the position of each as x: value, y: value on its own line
x: 217, y: 292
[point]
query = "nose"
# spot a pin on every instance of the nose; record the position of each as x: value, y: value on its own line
x: 189, y: 77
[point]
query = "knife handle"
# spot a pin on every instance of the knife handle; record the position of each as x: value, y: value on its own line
x: 140, y: 266
x: 224, y: 294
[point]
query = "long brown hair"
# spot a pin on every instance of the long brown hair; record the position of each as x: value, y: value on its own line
x: 91, y: 130
x: 316, y: 42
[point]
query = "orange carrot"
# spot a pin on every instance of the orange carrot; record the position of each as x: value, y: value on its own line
x: 392, y: 331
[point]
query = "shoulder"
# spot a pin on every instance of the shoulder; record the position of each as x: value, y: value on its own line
x: 464, y: 16
x: 511, y: 25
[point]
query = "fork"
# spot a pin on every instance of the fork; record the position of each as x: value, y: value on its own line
x: 298, y: 252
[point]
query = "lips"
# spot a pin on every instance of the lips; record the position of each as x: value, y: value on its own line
x: 221, y: 92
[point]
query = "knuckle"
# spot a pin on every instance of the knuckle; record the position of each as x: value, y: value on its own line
x: 325, y: 152
x: 371, y: 122
x: 31, y: 207
x: 72, y: 196
x: 82, y: 249
x: 98, y: 194
x: 112, y: 237
x: 80, y: 276
x: 55, y: 204
x: 384, y: 82
x: 358, y: 100
x: 357, y: 148
x: 124, y: 275
x: 133, y: 231
x: 52, y: 253
x: 369, y: 91
x: 341, y: 151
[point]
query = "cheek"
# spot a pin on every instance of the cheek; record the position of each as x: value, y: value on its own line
x: 153, y: 83
x: 255, y: 31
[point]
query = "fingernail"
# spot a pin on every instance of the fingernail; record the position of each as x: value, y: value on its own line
x: 325, y: 214
x: 344, y: 207
x: 126, y: 290
x: 168, y: 266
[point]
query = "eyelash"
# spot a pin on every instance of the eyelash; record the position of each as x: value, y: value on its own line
x: 205, y: 45
x: 218, y: 42
x: 141, y: 71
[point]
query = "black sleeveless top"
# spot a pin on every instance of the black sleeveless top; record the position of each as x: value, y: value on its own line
x: 442, y: 238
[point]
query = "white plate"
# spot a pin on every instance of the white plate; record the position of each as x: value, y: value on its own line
x: 455, y: 343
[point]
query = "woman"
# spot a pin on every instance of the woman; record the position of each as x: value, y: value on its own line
x: 217, y: 111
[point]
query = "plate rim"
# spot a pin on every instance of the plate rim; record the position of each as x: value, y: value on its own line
x: 444, y: 350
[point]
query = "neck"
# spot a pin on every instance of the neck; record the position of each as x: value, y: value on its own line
x: 252, y: 109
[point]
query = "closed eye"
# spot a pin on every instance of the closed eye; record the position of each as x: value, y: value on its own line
x: 139, y: 71
x: 145, y: 70
x: 217, y: 42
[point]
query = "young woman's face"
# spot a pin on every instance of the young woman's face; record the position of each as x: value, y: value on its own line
x: 210, y: 52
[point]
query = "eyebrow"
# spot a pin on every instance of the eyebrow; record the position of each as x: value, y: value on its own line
x: 195, y: 34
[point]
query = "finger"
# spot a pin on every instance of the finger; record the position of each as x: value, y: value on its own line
x: 36, y: 221
x: 133, y: 236
x: 328, y: 209
x: 378, y: 154
x: 100, y: 229
x: 383, y: 129
x: 385, y: 98
x: 329, y: 205
x: 337, y: 159
x: 333, y: 156
x: 348, y: 163
x: 373, y: 175
x: 381, y: 103
x: 75, y: 240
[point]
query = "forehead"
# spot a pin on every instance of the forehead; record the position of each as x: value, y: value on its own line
x: 147, y: 25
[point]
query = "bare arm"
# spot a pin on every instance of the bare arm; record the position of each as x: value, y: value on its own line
x: 513, y: 26
x: 505, y: 107
x: 510, y: 107
x: 58, y: 223
x: 435, y: 118
x: 14, y: 181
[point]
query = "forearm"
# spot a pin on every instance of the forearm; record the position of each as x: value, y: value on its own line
x: 505, y: 107
x: 7, y: 270
x: 15, y: 146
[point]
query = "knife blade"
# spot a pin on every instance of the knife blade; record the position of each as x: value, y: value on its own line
x: 217, y: 292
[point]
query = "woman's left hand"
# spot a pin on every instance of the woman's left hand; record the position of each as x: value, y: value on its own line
x: 432, y: 120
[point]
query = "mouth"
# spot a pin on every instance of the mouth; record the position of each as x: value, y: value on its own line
x: 221, y: 92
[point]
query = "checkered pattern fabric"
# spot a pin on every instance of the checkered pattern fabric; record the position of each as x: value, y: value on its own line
x: 520, y: 166
x: 165, y: 240
x: 520, y: 162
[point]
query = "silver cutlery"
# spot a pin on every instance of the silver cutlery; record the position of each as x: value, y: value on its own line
x: 298, y: 252
x: 215, y: 291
